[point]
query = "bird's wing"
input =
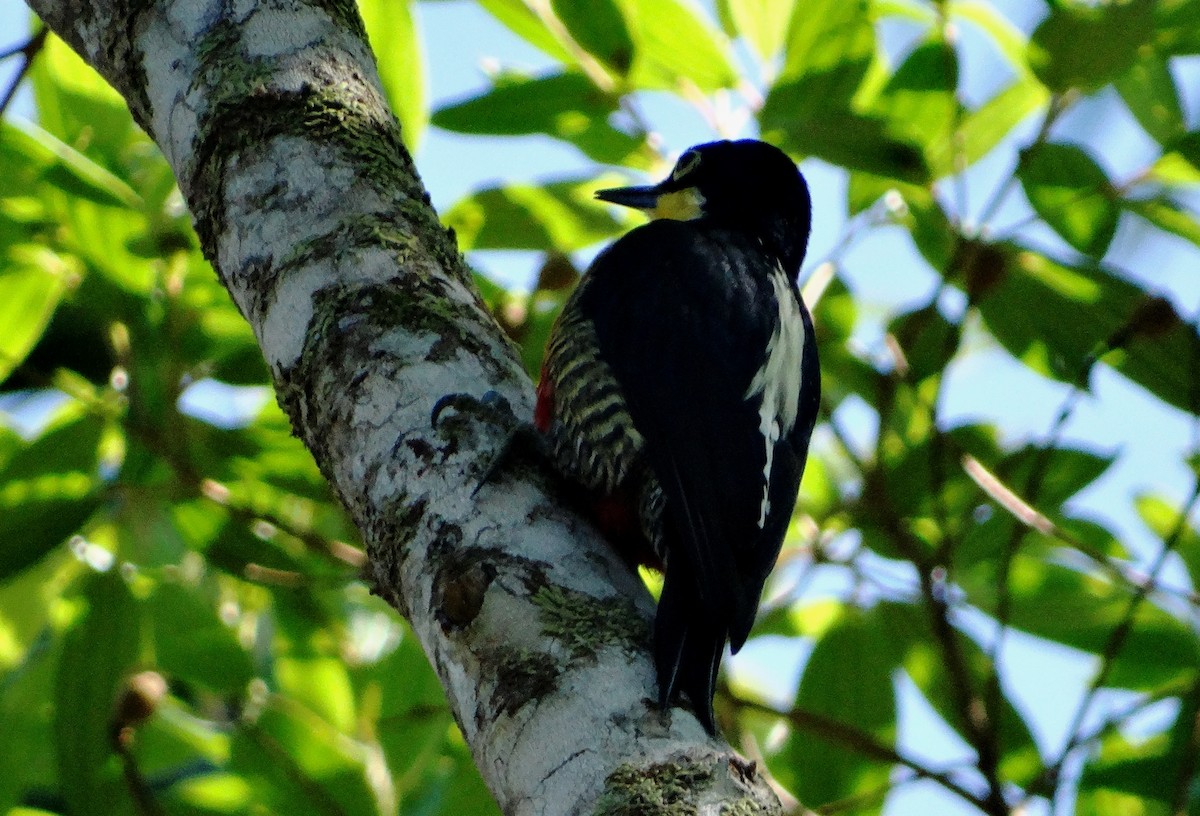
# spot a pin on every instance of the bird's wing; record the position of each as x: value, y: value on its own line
x: 684, y: 330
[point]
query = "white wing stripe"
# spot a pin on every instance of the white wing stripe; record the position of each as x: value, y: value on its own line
x: 777, y: 383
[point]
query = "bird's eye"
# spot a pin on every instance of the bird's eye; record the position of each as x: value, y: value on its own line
x: 686, y: 164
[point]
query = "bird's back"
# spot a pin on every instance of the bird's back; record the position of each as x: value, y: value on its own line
x: 649, y: 382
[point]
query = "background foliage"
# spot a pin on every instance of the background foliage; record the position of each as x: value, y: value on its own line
x: 182, y: 625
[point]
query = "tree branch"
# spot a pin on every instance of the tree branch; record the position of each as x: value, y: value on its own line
x: 305, y: 200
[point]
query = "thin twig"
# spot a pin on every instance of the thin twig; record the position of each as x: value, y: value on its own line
x: 861, y: 742
x: 1116, y: 640
x: 29, y: 49
x: 1059, y: 103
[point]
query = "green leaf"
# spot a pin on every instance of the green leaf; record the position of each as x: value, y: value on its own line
x: 175, y: 737
x: 1009, y: 40
x: 1024, y: 299
x: 1082, y: 610
x: 562, y: 215
x: 35, y: 150
x: 76, y: 105
x: 927, y: 340
x: 395, y: 39
x: 1175, y: 29
x: 27, y: 698
x: 1063, y: 473
x: 1148, y: 90
x: 914, y: 11
x: 813, y: 109
x: 210, y: 655
x: 1164, y: 520
x: 1167, y: 215
x: 980, y: 130
x: 542, y: 310
x: 1180, y: 161
x: 925, y: 664
x: 49, y: 489
x: 1141, y: 767
x: 1085, y: 46
x: 675, y: 45
x: 599, y: 28
x: 832, y: 43
x: 918, y: 102
x: 294, y: 761
x: 98, y: 652
x: 32, y: 281
x: 932, y: 231
x: 848, y: 678
x: 414, y: 720
x: 321, y: 684
x: 567, y: 106
x: 520, y: 19
x: 1068, y: 189
x: 846, y: 139
x: 763, y: 23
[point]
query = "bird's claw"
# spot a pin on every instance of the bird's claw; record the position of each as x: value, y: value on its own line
x: 492, y: 406
x: 495, y: 409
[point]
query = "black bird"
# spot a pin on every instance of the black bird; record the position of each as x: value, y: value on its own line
x: 680, y: 388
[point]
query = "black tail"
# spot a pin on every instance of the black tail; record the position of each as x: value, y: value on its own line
x: 688, y: 646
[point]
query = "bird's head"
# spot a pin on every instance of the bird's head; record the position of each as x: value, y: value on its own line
x: 746, y: 185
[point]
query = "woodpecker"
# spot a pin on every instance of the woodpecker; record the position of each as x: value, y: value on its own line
x: 680, y: 388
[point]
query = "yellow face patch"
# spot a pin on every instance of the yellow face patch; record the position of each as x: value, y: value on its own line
x: 682, y: 205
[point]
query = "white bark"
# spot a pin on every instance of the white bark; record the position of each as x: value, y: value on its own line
x: 272, y: 118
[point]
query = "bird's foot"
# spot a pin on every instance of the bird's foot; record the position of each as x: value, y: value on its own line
x: 520, y: 436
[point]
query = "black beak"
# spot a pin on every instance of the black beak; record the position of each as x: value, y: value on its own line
x: 640, y: 198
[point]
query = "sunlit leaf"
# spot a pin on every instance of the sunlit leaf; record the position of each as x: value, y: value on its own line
x: 1164, y: 520
x: 980, y: 130
x: 1180, y: 161
x: 36, y: 151
x: 764, y: 23
x: 98, y: 652
x: 919, y: 100
x: 1009, y: 40
x: 1140, y: 767
x: 209, y: 656
x: 563, y: 215
x: 598, y: 26
x: 1083, y: 611
x: 1167, y: 215
x: 400, y: 56
x: 290, y: 756
x: 32, y: 280
x: 567, y: 106
x: 1148, y: 90
x: 1071, y: 192
x: 78, y: 107
x: 830, y: 42
x: 848, y: 678
x: 1023, y: 295
x: 321, y: 684
x: 49, y: 489
x: 676, y: 45
x: 27, y: 702
x: 913, y: 10
x: 519, y: 17
x: 925, y: 663
x: 1085, y: 46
